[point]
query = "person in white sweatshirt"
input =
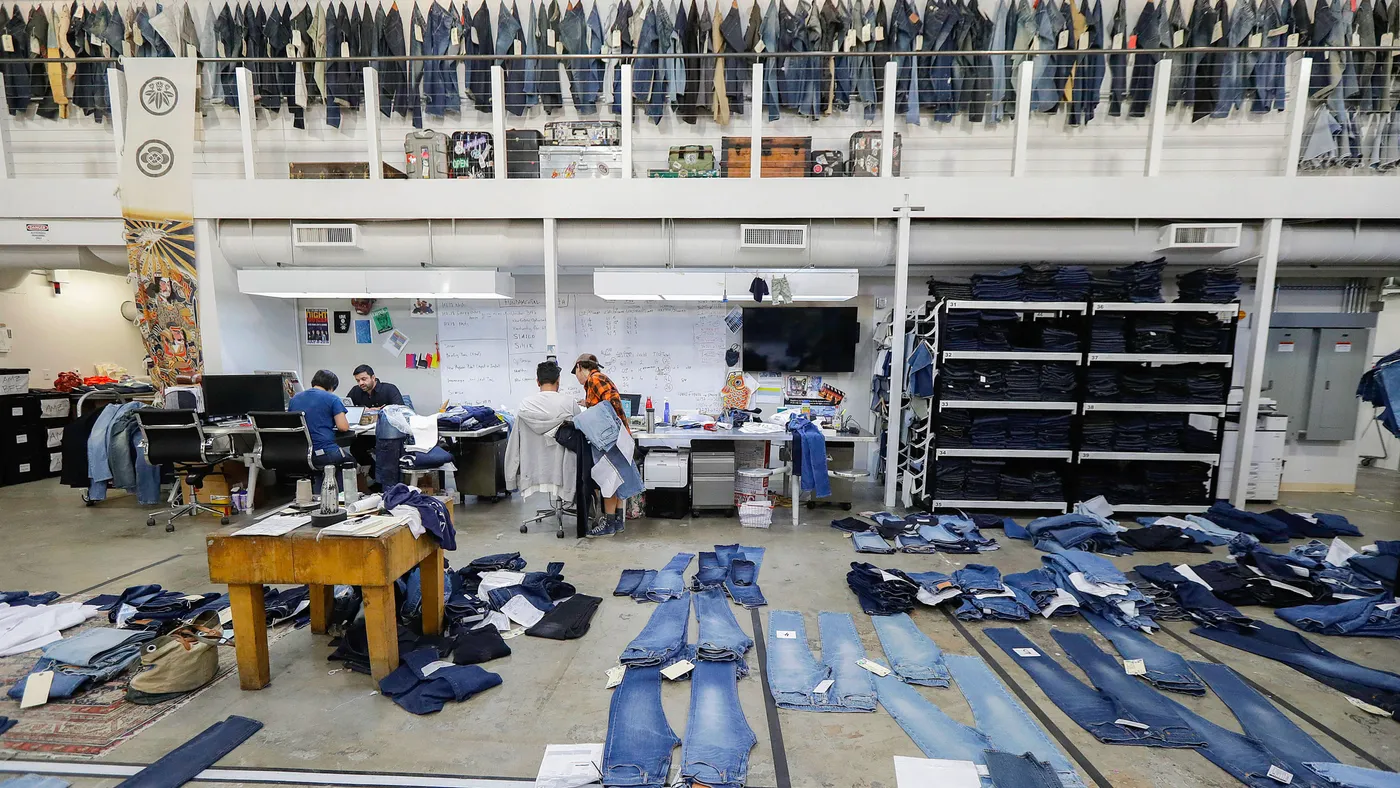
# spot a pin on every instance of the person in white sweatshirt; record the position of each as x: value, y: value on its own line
x: 535, y: 461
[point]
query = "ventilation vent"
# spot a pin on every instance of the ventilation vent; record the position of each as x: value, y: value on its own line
x: 773, y: 236
x: 1200, y: 236
x: 324, y: 235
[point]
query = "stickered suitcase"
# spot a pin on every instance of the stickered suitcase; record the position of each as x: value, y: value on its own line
x: 826, y: 164
x: 692, y: 161
x: 580, y: 161
x: 425, y: 153
x: 865, y: 154
x: 471, y: 154
x: 583, y: 132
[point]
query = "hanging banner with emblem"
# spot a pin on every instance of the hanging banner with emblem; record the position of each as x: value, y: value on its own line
x: 156, y: 182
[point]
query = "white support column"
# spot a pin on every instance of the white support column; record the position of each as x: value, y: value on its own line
x: 244, y: 79
x: 5, y: 173
x: 897, y: 360
x: 1161, y: 84
x: 374, y: 154
x: 625, y: 84
x: 116, y: 98
x: 1298, y: 104
x: 1258, y: 348
x: 498, y: 119
x: 887, y: 130
x: 551, y: 287
x: 756, y: 132
x: 1021, y: 145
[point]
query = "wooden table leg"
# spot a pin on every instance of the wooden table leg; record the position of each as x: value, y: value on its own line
x: 250, y: 635
x: 382, y: 630
x: 431, y: 579
x: 322, y: 603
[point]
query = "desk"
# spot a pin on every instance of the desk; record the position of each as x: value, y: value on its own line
x: 676, y: 437
x: 245, y: 563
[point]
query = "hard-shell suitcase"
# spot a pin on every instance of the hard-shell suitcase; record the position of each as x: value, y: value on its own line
x: 692, y: 161
x: 826, y: 164
x: 471, y: 155
x: 523, y: 153
x: 426, y: 154
x: 583, y: 132
x: 580, y: 161
x: 865, y: 154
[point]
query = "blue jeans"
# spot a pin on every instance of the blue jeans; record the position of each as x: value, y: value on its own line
x: 639, y: 592
x: 1166, y: 670
x: 600, y: 425
x: 710, y: 573
x: 669, y: 582
x: 870, y: 542
x: 792, y: 670
x: 1344, y: 776
x: 913, y: 656
x: 1258, y: 717
x: 717, y: 736
x: 721, y: 639
x: 741, y: 581
x: 935, y: 733
x: 1357, y: 617
x: 841, y: 649
x: 663, y: 640
x: 809, y: 455
x: 637, y: 753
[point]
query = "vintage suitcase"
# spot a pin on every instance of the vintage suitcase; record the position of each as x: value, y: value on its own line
x: 338, y: 170
x: 783, y: 157
x: 583, y: 132
x: 692, y: 161
x: 826, y: 164
x: 426, y: 154
x: 865, y: 154
x: 523, y: 153
x: 471, y: 155
x: 580, y: 161
x: 658, y: 173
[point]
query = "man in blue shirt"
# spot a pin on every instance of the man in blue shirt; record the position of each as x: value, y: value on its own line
x: 324, y: 413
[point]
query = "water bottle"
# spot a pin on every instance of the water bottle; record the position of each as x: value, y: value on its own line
x: 651, y: 417
x: 352, y: 487
x: 330, y: 491
x: 666, y: 412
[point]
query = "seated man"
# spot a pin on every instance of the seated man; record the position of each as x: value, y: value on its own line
x: 325, y: 414
x: 535, y: 461
x: 373, y: 393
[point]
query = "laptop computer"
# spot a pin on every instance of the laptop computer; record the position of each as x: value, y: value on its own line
x: 354, y: 415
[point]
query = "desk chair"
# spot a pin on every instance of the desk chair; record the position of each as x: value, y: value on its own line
x: 558, y: 509
x: 176, y: 438
x: 283, y: 444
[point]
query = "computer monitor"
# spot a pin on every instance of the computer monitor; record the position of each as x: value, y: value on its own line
x: 239, y: 395
x: 632, y: 404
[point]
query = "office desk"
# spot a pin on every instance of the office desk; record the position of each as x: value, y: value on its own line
x: 676, y: 437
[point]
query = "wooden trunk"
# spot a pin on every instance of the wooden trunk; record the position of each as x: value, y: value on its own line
x: 783, y: 157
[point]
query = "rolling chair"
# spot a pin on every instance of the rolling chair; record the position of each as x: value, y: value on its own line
x: 283, y: 445
x: 176, y: 438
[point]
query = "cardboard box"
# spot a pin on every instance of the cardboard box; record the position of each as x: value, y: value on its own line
x: 213, y: 491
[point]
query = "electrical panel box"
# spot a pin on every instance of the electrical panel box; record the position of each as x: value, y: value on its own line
x: 1341, y: 360
x: 1288, y: 372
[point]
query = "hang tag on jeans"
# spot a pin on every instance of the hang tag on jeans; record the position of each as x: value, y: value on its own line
x: 1063, y: 41
x: 1117, y: 40
x: 1131, y: 724
x: 1256, y: 40
x: 433, y: 667
x: 785, y: 634
x: 821, y: 689
x: 455, y: 36
x: 7, y: 43
x: 880, y: 33
x: 679, y: 669
x: 1026, y: 652
x: 1134, y: 667
x: 1179, y: 38
x: 1366, y: 707
x: 873, y: 667
x: 36, y: 689
x: 1278, y: 31
x: 615, y: 675
x: 1293, y: 40
x: 865, y: 32
x: 1279, y: 775
x: 1387, y: 39
x: 1083, y: 41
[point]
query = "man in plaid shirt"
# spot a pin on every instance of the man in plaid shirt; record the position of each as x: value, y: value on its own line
x: 598, y: 388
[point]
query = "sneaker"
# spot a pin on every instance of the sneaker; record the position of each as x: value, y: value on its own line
x: 601, y: 527
x: 619, y: 523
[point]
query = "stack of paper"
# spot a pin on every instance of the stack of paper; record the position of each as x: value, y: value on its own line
x: 374, y: 525
x: 276, y: 525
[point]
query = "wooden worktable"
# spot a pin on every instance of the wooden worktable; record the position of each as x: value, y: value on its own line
x: 246, y: 563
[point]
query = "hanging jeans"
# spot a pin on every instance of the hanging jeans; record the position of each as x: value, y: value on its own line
x: 637, y: 753
x: 669, y: 582
x: 1166, y: 670
x: 717, y: 736
x: 663, y: 640
x: 809, y: 456
x: 913, y: 656
x: 721, y: 639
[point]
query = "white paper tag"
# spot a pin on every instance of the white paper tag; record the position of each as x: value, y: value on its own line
x: 137, y: 37
x: 880, y: 33
x: 1217, y: 32
x: 1117, y: 40
x: 617, y: 38
x: 1366, y: 707
x: 1131, y: 724
x: 679, y: 669
x: 1063, y: 40
x: 785, y: 634
x: 1356, y: 39
x: 1293, y: 40
x: 549, y: 38
x: 850, y: 40
x: 193, y: 597
x: 191, y: 51
x: 559, y: 48
x: 127, y: 49
x: 1387, y: 39
x: 519, y: 48
x: 345, y: 49
x: 221, y: 49
x: 36, y: 689
x: 21, y: 439
x: 1083, y: 41
x: 1134, y: 667
x: 1278, y: 31
x: 918, y: 43
x: 225, y: 615
x: 512, y: 633
x: 7, y: 43
x: 296, y: 39
x: 1178, y: 38
x: 433, y: 667
x: 455, y: 36
x: 1026, y: 652
x: 759, y: 47
x: 1279, y: 775
x: 821, y: 689
x: 1256, y: 40
x: 78, y: 12
x: 873, y: 667
x: 35, y: 48
x: 615, y: 675
x: 418, y: 33
x: 865, y: 32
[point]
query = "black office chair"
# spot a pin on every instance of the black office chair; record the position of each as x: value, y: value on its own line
x: 176, y: 437
x: 284, y: 444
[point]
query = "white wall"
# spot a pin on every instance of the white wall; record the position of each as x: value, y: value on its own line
x: 242, y: 333
x: 72, y: 331
x: 342, y: 355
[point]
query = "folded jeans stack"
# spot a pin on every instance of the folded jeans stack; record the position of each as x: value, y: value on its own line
x: 1373, y: 616
x: 882, y: 592
x: 1004, y: 285
x: 1209, y: 285
x: 1152, y: 334
x: 1098, y: 586
x: 1194, y: 598
x: 1201, y: 333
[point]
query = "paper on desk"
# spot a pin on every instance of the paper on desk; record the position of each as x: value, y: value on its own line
x: 519, y: 610
x: 369, y: 503
x: 276, y: 525
x: 571, y: 766
x: 921, y: 772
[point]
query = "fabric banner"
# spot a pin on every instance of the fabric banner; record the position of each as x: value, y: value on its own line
x: 156, y: 183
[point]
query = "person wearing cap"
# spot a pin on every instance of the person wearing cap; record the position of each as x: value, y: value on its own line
x: 597, y: 388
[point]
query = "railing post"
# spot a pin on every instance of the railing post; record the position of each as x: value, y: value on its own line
x: 374, y: 151
x: 887, y: 121
x: 1157, y: 126
x: 116, y: 97
x: 626, y: 86
x: 756, y: 127
x: 1298, y: 118
x: 1021, y: 144
x: 5, y: 173
x: 1258, y: 350
x: 498, y: 120
x: 244, y: 79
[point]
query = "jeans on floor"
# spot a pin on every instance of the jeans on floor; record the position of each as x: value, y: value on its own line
x: 639, y: 594
x: 670, y: 582
x: 717, y: 736
x: 1022, y: 771
x: 710, y: 574
x: 870, y: 542
x: 1258, y: 717
x: 664, y: 637
x: 1166, y: 669
x: 792, y: 670
x: 743, y: 564
x: 721, y: 639
x: 1344, y: 776
x: 637, y: 753
x: 912, y: 655
x: 841, y: 649
x: 933, y: 732
x: 628, y: 582
x: 181, y: 764
x: 1358, y: 617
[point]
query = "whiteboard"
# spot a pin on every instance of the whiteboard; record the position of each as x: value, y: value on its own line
x: 665, y: 351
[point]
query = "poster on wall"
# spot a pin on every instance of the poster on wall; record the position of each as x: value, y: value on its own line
x: 422, y: 308
x: 362, y: 335
x: 156, y: 186
x: 395, y: 342
x: 382, y: 320
x: 318, y: 327
x: 342, y: 322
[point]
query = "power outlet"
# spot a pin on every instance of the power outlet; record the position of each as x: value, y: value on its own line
x: 882, y: 303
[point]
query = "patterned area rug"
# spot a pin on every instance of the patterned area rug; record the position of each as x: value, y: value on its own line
x: 95, y: 721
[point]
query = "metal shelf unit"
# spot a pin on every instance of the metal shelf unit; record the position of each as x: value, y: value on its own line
x: 1151, y: 407
x: 1177, y: 306
x: 1060, y: 506
x: 1163, y: 358
x: 983, y: 404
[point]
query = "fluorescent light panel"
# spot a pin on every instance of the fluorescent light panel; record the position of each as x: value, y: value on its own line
x: 375, y: 283
x: 618, y: 284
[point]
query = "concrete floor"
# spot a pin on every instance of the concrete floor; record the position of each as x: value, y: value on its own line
x: 553, y: 691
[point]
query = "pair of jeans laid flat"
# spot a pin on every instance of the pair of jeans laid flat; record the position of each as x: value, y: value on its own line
x: 710, y: 573
x: 1259, y: 719
x: 1100, y: 712
x: 720, y: 639
x: 912, y: 655
x: 793, y: 673
x: 1023, y: 771
x: 935, y: 733
x: 1004, y: 721
x: 670, y: 582
x: 181, y: 764
x: 741, y: 580
x: 663, y: 639
x: 637, y: 752
x: 1370, y: 617
x: 569, y: 620
x: 1342, y: 776
x: 420, y: 692
x: 629, y: 581
x: 870, y: 542
x: 1166, y: 670
x: 717, y: 735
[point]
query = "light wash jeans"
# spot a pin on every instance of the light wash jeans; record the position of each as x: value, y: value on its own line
x: 913, y: 656
x: 717, y: 736
x: 663, y: 639
x: 721, y: 639
x: 637, y: 753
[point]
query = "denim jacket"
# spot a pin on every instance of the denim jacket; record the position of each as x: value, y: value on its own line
x: 600, y: 425
x: 508, y: 32
x: 1046, y: 72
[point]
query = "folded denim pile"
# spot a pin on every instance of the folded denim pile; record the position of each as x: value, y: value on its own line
x: 943, y: 289
x: 1263, y: 526
x: 882, y: 592
x: 1201, y: 530
x: 1076, y: 531
x: 1039, y: 585
x: 918, y: 533
x: 980, y: 479
x: 467, y: 417
x: 26, y: 599
x: 1145, y: 482
x: 1012, y: 429
x: 1209, y: 286
x: 1031, y: 282
x: 1164, y: 432
x: 1380, y: 564
x: 1108, y: 333
x: 92, y: 657
x: 1194, y: 596
x: 1099, y: 587
x: 988, y: 329
x: 986, y: 597
x: 1003, y: 285
x: 1177, y: 383
x: 1162, y: 538
x: 1032, y: 381
x: 1140, y: 282
x: 1150, y: 333
x: 1197, y: 332
x: 153, y: 605
x: 1373, y: 616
